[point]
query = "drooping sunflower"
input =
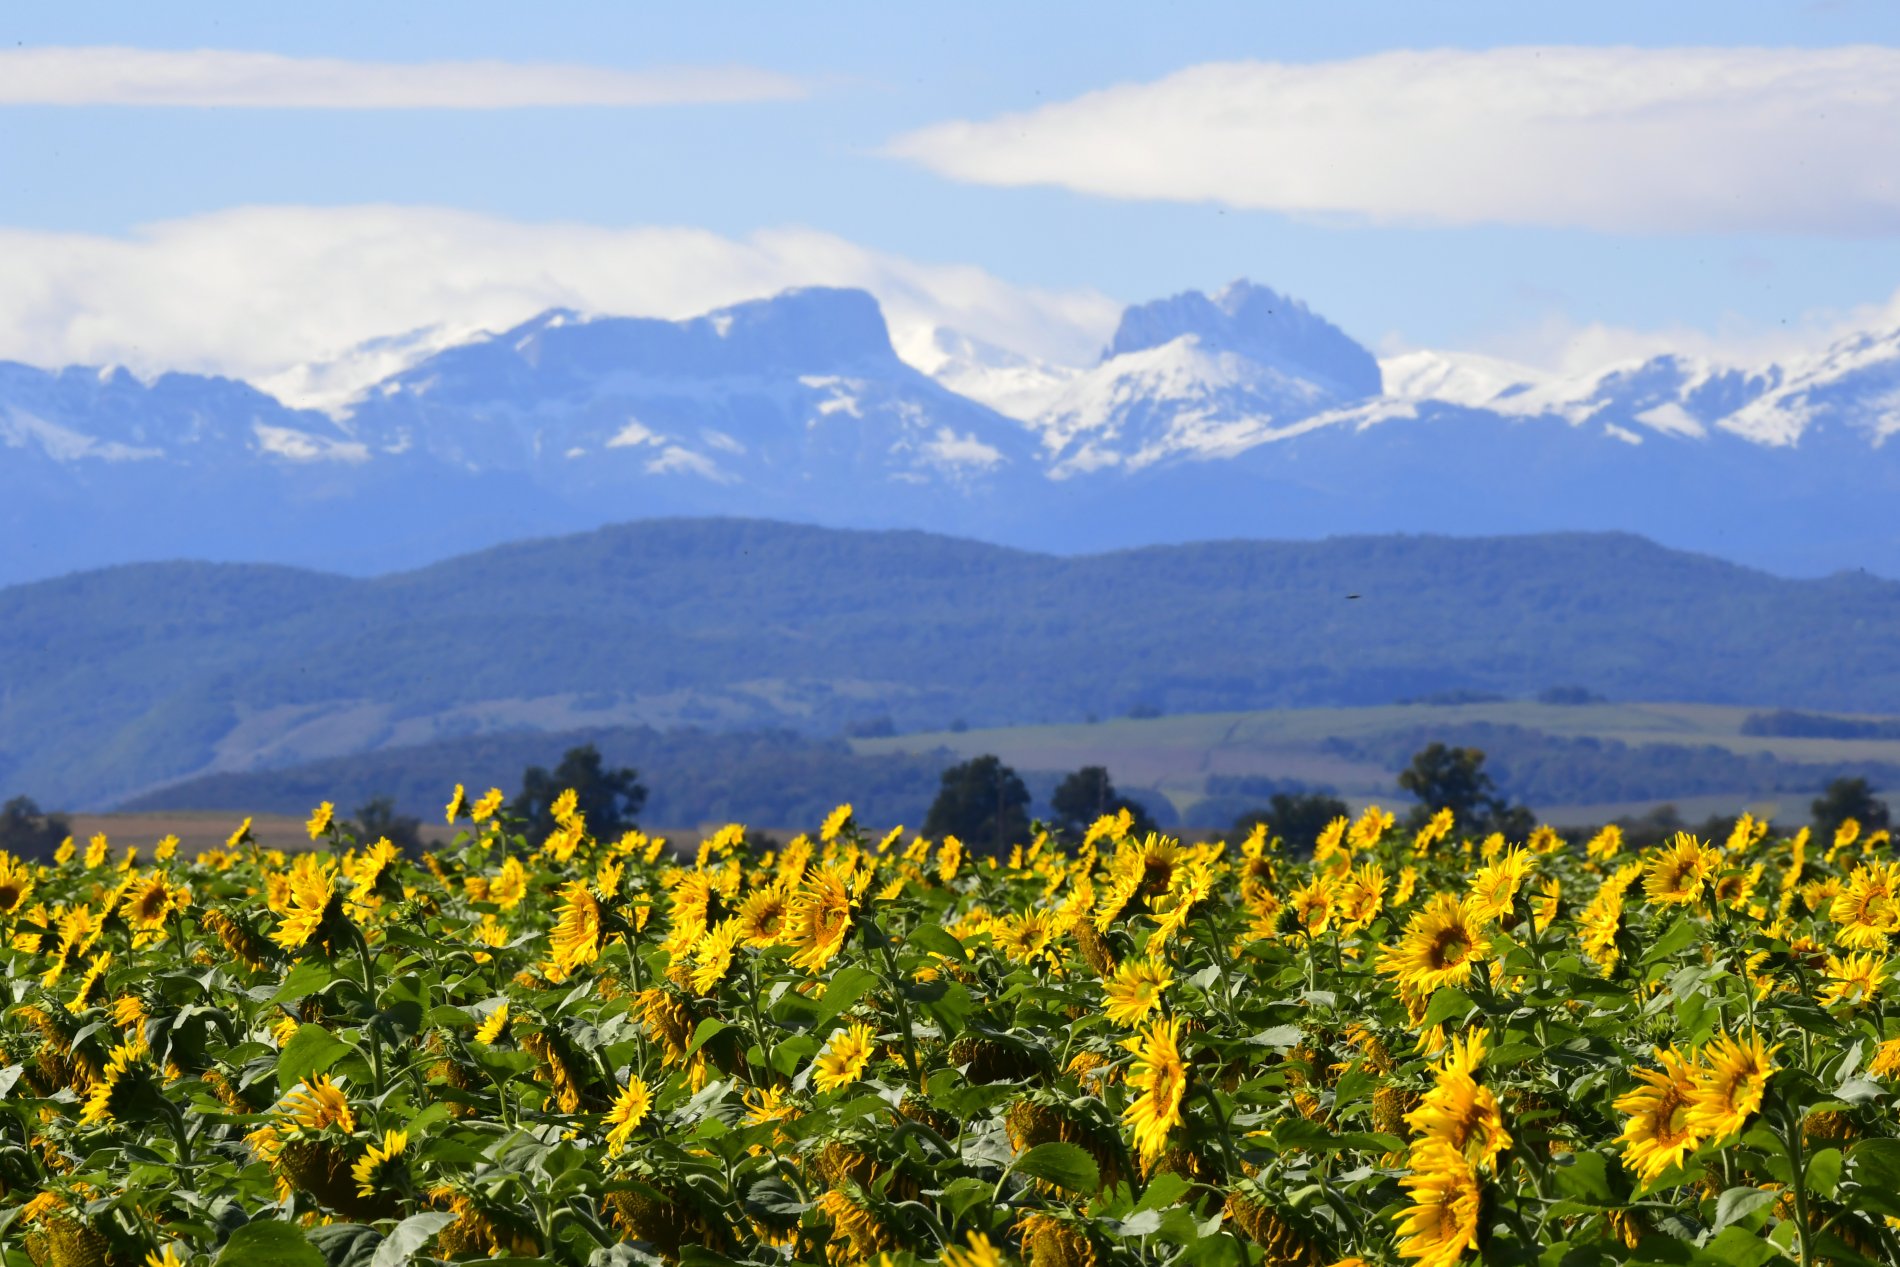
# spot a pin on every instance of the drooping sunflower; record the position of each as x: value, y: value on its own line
x: 1658, y: 1134
x: 375, y: 1171
x: 89, y: 983
x: 1442, y: 1222
x: 1134, y: 991
x: 630, y: 1109
x: 494, y: 1028
x: 1160, y: 1074
x: 575, y: 939
x: 316, y: 1104
x: 1729, y: 1083
x: 820, y: 919
x: 843, y: 1060
x: 1438, y: 948
x: 126, y: 1090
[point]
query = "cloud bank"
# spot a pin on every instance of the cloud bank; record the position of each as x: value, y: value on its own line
x: 114, y: 76
x: 260, y: 292
x: 1679, y: 140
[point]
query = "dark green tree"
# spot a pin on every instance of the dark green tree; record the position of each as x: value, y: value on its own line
x: 27, y: 832
x: 983, y: 803
x: 1845, y: 799
x: 378, y: 819
x: 1295, y: 817
x: 1087, y: 795
x: 1443, y: 777
x: 608, y: 798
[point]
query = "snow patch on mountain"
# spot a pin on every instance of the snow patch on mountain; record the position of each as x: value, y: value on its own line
x: 63, y: 444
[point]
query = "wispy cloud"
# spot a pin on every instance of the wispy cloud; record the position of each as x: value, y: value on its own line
x: 1614, y: 139
x: 257, y: 292
x: 115, y: 76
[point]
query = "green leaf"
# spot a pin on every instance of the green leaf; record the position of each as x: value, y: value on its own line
x: 1064, y: 1165
x: 312, y: 1049
x: 951, y: 1009
x: 1680, y: 935
x: 304, y: 979
x: 409, y: 1236
x: 1587, y: 1179
x: 930, y: 938
x: 1824, y: 1172
x: 1877, y: 1163
x: 1281, y: 1036
x: 1446, y: 1004
x: 708, y: 1028
x: 847, y: 986
x: 960, y: 1194
x: 269, y: 1243
x: 1734, y: 1247
x: 1737, y: 1204
x: 345, y: 1244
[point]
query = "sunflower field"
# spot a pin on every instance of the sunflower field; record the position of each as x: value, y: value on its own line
x: 1386, y: 1046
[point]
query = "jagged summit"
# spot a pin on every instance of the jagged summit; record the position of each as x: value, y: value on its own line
x: 1256, y: 323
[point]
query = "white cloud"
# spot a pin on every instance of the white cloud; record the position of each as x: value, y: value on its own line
x: 115, y: 76
x: 255, y: 292
x: 1615, y: 139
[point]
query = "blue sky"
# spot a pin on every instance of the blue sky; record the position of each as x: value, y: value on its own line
x: 829, y: 159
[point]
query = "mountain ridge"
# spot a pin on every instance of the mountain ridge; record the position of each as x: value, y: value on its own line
x: 1240, y: 414
x: 119, y: 681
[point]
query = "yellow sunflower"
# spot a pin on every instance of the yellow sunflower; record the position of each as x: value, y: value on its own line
x: 762, y: 916
x: 1462, y: 1114
x: 713, y: 956
x: 312, y: 904
x: 320, y: 819
x: 1854, y: 978
x: 318, y: 1103
x: 1135, y: 990
x: 1866, y: 908
x: 576, y: 936
x: 1438, y: 948
x: 1442, y: 1222
x: 1678, y: 871
x: 1160, y: 1074
x: 843, y: 1060
x: 820, y: 919
x: 630, y: 1109
x: 376, y: 1168
x: 493, y: 1029
x: 1658, y: 1134
x: 16, y: 883
x: 1729, y: 1083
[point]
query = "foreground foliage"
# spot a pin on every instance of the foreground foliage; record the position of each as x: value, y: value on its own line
x: 1411, y: 1047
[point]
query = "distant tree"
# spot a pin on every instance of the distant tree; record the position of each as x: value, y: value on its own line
x: 983, y: 803
x: 608, y: 798
x: 1651, y: 828
x: 1442, y: 777
x: 1296, y: 817
x: 378, y: 819
x: 27, y: 832
x: 1087, y: 795
x: 1845, y: 799
x: 1568, y: 695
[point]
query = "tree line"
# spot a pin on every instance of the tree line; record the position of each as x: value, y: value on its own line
x: 986, y: 804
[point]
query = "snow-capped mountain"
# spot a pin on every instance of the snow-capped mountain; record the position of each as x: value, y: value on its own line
x: 1238, y: 414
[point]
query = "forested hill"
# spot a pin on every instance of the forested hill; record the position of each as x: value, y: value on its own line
x: 115, y: 681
